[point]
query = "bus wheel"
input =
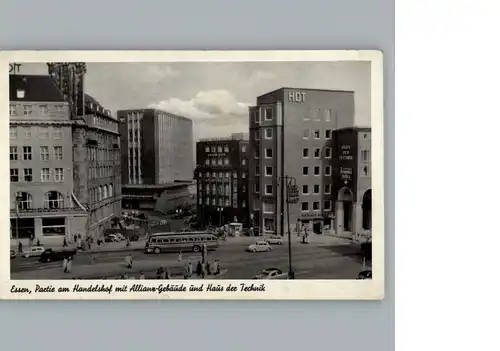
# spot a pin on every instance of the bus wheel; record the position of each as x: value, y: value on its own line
x: 196, y: 248
x: 157, y: 250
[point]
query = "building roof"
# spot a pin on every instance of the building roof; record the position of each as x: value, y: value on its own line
x: 305, y: 89
x: 37, y: 88
x: 145, y: 110
x: 93, y: 105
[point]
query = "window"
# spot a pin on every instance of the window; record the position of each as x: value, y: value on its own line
x: 327, y: 188
x: 14, y: 175
x: 54, y: 226
x: 269, y: 189
x: 305, y: 206
x: 328, y: 152
x: 28, y: 110
x: 27, y: 132
x: 365, y: 155
x: 13, y: 132
x: 43, y: 110
x: 13, y: 153
x: 316, y: 188
x: 268, y: 208
x: 207, y: 148
x: 257, y: 170
x: 213, y: 202
x: 327, y: 205
x: 59, y: 175
x: 59, y: 108
x: 257, y: 135
x: 316, y: 134
x: 12, y: 110
x: 27, y: 153
x: 316, y: 170
x: 268, y: 114
x: 328, y: 115
x: 305, y: 170
x: 257, y: 187
x: 269, y: 133
x: 269, y: 171
x: 317, y: 152
x: 269, y: 153
x: 305, y: 189
x: 213, y: 148
x: 328, y: 170
x: 58, y: 153
x: 366, y: 171
x: 28, y: 175
x: 44, y: 133
x: 328, y: 134
x: 57, y: 132
x: 243, y: 175
x: 305, y: 134
x: 243, y: 148
x: 318, y: 115
x: 207, y: 161
x: 44, y: 153
x: 256, y: 117
x: 305, y: 152
x: 315, y: 205
x: 25, y: 201
x: 257, y: 154
x: 45, y: 175
x: 244, y: 161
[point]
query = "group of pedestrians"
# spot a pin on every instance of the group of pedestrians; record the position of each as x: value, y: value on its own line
x: 67, y: 264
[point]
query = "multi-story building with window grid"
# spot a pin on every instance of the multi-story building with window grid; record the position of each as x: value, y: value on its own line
x: 222, y: 180
x: 41, y: 163
x: 292, y: 133
x: 157, y: 154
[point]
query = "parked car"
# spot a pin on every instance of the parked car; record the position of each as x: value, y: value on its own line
x: 271, y: 273
x: 50, y: 255
x: 112, y: 238
x: 259, y: 246
x: 366, y: 274
x: 274, y: 239
x: 33, y: 251
x: 13, y: 254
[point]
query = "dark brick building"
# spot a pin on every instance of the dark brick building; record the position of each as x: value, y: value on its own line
x: 222, y: 180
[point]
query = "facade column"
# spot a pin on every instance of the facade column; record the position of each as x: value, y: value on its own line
x: 357, y: 220
x: 38, y: 228
x: 339, y: 217
x: 68, y: 230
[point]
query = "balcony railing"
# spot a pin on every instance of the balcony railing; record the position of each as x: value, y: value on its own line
x: 48, y: 210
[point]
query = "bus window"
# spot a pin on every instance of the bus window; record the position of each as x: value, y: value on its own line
x: 153, y: 241
x: 183, y: 240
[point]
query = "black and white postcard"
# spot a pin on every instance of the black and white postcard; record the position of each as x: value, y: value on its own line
x: 192, y: 175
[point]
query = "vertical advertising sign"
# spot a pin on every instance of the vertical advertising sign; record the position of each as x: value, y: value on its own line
x: 345, y: 160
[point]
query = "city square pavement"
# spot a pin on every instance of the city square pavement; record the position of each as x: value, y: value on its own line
x: 325, y: 257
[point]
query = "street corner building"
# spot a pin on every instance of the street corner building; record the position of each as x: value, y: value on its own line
x: 309, y: 134
x: 157, y: 160
x: 222, y: 180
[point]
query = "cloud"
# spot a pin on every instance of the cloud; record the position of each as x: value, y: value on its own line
x: 206, y: 105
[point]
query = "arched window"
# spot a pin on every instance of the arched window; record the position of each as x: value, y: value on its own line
x: 105, y: 192
x: 99, y: 193
x: 53, y: 199
x: 110, y: 190
x: 24, y: 200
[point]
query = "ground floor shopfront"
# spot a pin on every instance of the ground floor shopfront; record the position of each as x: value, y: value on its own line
x: 49, y: 229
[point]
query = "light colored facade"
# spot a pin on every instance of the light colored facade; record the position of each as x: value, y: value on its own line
x: 41, y: 167
x: 291, y: 133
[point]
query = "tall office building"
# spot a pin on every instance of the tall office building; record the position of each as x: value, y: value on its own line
x: 291, y: 134
x: 157, y: 155
x: 222, y: 180
x: 43, y: 204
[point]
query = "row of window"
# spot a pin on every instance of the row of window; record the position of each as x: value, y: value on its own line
x: 101, y: 192
x: 47, y: 175
x: 27, y: 110
x: 23, y: 228
x: 27, y: 153
x: 305, y: 189
x: 222, y: 189
x: 317, y: 115
x: 221, y: 202
x: 103, y: 154
x: 98, y: 120
x: 220, y: 161
x: 100, y: 172
x: 224, y: 148
x: 327, y: 206
x: 51, y: 200
x: 42, y: 132
x: 306, y: 134
x: 220, y: 175
x: 268, y: 171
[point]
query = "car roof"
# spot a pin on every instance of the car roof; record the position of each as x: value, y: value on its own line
x: 261, y: 242
x: 270, y: 270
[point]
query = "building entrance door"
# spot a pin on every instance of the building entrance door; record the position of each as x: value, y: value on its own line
x: 317, y: 227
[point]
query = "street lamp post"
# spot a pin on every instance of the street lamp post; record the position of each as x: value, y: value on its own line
x: 220, y: 210
x: 289, y: 185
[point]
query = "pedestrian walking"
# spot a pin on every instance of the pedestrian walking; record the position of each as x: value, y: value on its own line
x: 186, y: 272
x: 168, y: 274
x: 37, y: 242
x: 217, y: 266
x: 125, y: 276
x: 65, y: 243
x: 65, y: 265
x: 190, y: 269
x: 20, y: 247
x: 128, y: 261
x: 208, y: 268
x: 199, y: 268
x: 70, y: 264
x: 32, y: 239
x: 179, y: 256
x: 203, y: 271
x: 142, y: 276
x: 159, y: 273
x: 75, y: 238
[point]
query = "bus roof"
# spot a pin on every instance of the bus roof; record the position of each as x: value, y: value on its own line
x: 181, y: 233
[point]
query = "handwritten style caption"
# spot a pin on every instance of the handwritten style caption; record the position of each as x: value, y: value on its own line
x: 139, y: 288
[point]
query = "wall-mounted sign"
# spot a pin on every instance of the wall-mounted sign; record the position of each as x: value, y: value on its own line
x: 315, y: 214
x: 14, y: 68
x: 346, y: 153
x: 219, y: 154
x: 296, y: 96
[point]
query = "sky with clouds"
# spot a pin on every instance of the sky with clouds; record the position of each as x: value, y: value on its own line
x: 216, y: 96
